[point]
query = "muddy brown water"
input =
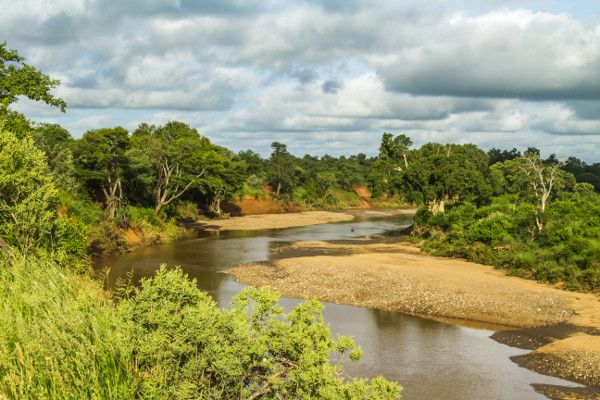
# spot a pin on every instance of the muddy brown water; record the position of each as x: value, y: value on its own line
x: 432, y: 360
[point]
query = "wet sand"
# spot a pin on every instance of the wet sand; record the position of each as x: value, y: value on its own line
x: 397, y: 276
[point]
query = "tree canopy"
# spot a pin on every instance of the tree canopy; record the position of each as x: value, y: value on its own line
x: 18, y: 78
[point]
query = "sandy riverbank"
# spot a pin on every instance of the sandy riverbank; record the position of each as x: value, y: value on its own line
x: 276, y: 221
x: 393, y: 275
x: 292, y: 220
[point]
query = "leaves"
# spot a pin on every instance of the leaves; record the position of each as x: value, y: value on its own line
x: 20, y: 79
x: 186, y: 347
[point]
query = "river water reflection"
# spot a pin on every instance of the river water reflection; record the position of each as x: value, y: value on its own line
x: 432, y: 360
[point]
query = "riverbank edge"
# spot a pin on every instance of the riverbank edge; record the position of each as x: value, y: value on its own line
x: 549, y: 352
x: 128, y: 239
x: 258, y: 222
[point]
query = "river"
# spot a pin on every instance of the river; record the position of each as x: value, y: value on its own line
x: 432, y: 360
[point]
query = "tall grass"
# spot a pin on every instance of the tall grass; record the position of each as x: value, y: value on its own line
x: 59, y: 336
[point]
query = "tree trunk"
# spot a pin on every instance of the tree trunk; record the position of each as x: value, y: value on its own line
x: 165, y: 192
x: 112, y: 197
x: 437, y: 206
x: 215, y: 205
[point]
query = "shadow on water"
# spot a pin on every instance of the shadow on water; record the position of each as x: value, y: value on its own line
x: 432, y: 360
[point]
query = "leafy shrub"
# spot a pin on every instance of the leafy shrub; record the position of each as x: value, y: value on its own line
x: 186, y: 347
x: 106, y: 238
x: 186, y: 211
x: 140, y: 215
x: 506, y: 234
x: 29, y: 204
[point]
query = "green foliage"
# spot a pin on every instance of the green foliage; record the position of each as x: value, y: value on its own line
x: 186, y: 211
x: 100, y: 158
x: 583, y: 172
x: 186, y: 347
x: 20, y: 79
x: 109, y: 237
x: 59, y: 337
x: 506, y: 234
x: 253, y: 187
x: 172, y: 161
x: 282, y: 170
x: 441, y: 173
x: 391, y: 165
x: 496, y: 155
x: 29, y: 220
x: 106, y: 237
x: 62, y: 338
x: 56, y: 143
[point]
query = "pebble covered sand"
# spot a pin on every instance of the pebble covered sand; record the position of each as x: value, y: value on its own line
x: 397, y: 276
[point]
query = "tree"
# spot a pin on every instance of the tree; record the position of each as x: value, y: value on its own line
x: 496, y: 155
x: 534, y: 181
x: 175, y: 159
x: 584, y: 172
x: 20, y: 79
x: 439, y: 173
x: 542, y: 178
x: 395, y: 150
x: 325, y: 181
x: 226, y: 176
x: 255, y: 164
x: 281, y: 168
x: 100, y: 157
x: 390, y: 164
x: 56, y: 142
x: 28, y: 204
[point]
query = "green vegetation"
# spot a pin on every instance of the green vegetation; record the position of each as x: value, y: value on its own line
x: 186, y: 347
x: 566, y: 249
x: 518, y: 212
x: 29, y: 222
x: 61, y: 337
x: 61, y: 199
x: 64, y: 337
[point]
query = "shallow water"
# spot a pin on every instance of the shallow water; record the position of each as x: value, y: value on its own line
x: 432, y: 360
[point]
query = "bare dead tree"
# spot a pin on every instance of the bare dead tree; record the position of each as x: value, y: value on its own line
x: 166, y: 190
x: 113, y: 195
x: 542, y: 179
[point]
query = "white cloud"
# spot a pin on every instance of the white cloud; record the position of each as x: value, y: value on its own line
x: 323, y: 76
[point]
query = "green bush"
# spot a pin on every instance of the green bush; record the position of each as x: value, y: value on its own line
x: 29, y: 204
x: 186, y: 347
x: 61, y: 337
x: 106, y: 238
x: 186, y: 211
x: 136, y: 216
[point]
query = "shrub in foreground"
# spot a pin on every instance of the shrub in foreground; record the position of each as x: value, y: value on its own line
x: 62, y: 338
x: 186, y: 347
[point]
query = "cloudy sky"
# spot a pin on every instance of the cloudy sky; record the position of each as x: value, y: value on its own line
x: 323, y: 76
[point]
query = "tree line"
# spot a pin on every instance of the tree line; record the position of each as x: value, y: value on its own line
x: 64, y: 337
x: 539, y: 218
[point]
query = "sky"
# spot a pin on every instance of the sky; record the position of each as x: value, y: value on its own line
x: 324, y: 77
